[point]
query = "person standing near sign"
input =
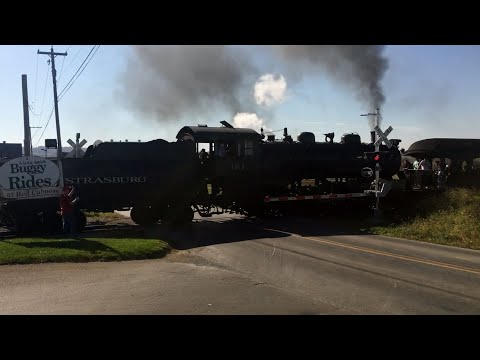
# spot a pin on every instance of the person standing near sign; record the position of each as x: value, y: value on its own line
x: 67, y: 208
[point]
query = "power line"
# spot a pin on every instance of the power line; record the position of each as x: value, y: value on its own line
x: 65, y: 89
x: 44, y: 117
x: 31, y: 110
x: 73, y: 59
x: 45, y: 128
x: 39, y: 127
x: 43, y: 101
x: 35, y: 96
x: 60, y: 76
x: 44, y: 92
x: 62, y: 95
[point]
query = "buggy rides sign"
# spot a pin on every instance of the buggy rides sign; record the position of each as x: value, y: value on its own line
x: 29, y: 177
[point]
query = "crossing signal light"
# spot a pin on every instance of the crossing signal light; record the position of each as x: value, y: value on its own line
x: 375, y: 156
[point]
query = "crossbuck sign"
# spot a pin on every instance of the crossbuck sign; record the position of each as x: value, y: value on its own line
x: 77, y: 147
x: 382, y: 136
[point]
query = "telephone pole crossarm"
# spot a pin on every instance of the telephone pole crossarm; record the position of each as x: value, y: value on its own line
x: 51, y: 53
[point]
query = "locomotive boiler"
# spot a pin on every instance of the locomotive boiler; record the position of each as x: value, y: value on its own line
x: 244, y: 171
x: 349, y: 161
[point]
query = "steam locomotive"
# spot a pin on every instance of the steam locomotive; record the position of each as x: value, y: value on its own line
x: 239, y: 170
x: 212, y: 170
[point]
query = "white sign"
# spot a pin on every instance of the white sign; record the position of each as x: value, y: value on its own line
x: 29, y: 177
x: 383, y: 136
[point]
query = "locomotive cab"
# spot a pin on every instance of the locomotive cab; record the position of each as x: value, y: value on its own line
x: 230, y: 162
x: 224, y: 151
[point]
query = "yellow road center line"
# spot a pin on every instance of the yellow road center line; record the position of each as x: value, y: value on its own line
x: 384, y: 253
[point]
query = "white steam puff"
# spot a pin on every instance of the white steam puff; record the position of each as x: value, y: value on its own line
x: 249, y: 120
x: 270, y: 89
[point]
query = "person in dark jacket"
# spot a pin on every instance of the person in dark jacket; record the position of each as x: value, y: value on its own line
x: 67, y: 208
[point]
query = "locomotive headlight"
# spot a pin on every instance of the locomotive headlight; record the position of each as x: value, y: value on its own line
x: 367, y: 172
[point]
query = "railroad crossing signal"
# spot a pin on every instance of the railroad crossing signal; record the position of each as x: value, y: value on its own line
x: 77, y: 147
x: 382, y: 136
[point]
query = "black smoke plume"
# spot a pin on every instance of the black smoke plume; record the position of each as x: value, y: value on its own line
x: 172, y: 81
x: 360, y: 67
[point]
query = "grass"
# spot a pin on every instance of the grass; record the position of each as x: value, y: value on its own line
x: 102, y: 218
x: 110, y: 245
x: 450, y: 218
x: 44, y: 250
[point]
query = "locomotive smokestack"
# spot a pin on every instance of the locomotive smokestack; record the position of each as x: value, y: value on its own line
x: 372, y: 136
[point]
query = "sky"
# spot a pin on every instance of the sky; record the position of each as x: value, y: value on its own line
x: 144, y: 93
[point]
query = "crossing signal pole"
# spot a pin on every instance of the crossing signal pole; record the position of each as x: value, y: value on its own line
x: 377, y: 149
x: 52, y: 55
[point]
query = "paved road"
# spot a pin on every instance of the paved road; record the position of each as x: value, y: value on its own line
x: 227, y: 265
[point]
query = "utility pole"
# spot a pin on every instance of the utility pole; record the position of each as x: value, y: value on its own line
x: 377, y: 165
x: 52, y: 55
x: 27, y: 138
